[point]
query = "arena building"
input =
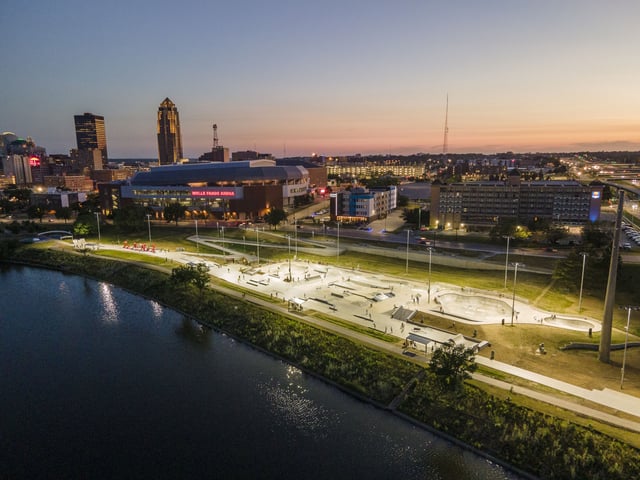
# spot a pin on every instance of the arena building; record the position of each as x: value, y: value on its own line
x: 234, y: 191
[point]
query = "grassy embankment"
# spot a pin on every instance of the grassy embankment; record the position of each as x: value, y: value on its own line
x: 539, y: 443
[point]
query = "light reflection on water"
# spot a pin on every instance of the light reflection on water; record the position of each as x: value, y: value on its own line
x: 109, y: 313
x: 63, y: 288
x: 156, y: 310
x: 292, y: 407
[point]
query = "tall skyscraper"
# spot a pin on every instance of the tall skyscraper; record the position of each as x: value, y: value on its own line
x: 91, y: 135
x: 169, y: 137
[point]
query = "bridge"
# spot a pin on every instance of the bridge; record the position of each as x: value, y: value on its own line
x: 60, y: 234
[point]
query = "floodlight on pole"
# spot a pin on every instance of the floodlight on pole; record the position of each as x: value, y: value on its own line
x: 584, y: 261
x: 429, y: 285
x: 258, y: 245
x: 197, y: 237
x: 515, y: 279
x: 149, y: 225
x: 98, y: 223
x: 626, y: 341
x: 338, y: 245
x: 506, y: 262
x: 406, y: 268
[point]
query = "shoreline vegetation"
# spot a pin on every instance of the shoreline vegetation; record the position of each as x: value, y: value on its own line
x: 528, y: 442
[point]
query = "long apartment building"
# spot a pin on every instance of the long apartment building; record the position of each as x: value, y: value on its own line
x: 368, y: 170
x: 483, y: 204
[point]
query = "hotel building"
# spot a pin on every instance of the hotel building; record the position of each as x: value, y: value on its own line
x: 483, y: 204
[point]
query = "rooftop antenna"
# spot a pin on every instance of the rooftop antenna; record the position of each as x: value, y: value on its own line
x: 215, y: 137
x: 445, y: 143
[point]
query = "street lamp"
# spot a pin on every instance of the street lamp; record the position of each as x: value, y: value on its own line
x: 429, y: 286
x: 515, y: 279
x: 506, y: 262
x: 98, y: 222
x: 626, y: 341
x: 149, y: 225
x: 258, y: 245
x: 406, y: 268
x: 338, y: 245
x: 295, y: 224
x: 584, y: 261
x: 197, y: 237
x: 224, y: 253
x: 289, y: 243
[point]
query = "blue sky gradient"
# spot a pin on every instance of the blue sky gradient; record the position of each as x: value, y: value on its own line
x: 332, y: 77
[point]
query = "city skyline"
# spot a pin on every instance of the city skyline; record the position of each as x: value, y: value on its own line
x: 338, y: 78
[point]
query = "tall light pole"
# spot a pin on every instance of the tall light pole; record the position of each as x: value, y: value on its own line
x: 515, y: 279
x: 584, y: 261
x: 295, y: 224
x: 197, y: 238
x: 224, y: 253
x: 506, y: 263
x: 626, y: 341
x: 258, y: 245
x: 429, y: 286
x: 98, y: 222
x: 406, y: 268
x: 338, y: 245
x: 289, y: 243
x: 149, y: 225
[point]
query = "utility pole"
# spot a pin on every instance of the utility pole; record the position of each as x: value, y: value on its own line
x: 604, y: 352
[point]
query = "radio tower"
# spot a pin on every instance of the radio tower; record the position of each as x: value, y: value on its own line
x: 445, y: 143
x: 215, y: 137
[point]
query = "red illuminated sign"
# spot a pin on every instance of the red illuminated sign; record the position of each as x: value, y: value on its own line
x: 34, y: 162
x: 213, y: 193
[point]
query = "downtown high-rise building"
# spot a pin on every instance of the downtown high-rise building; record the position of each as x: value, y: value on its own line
x: 169, y: 137
x: 91, y: 135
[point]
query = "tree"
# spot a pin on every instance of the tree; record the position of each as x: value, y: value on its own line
x: 130, y: 218
x: 453, y: 363
x: 63, y: 213
x: 197, y: 275
x: 597, y: 235
x: 35, y: 211
x: 403, y: 200
x: 85, y: 224
x: 416, y: 216
x: 275, y: 216
x: 174, y: 212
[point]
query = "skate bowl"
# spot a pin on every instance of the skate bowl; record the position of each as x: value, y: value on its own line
x: 572, y: 323
x: 476, y: 308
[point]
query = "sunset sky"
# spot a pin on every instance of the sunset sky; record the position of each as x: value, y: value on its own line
x: 333, y: 77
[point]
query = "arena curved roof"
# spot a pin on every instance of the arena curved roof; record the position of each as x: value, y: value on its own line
x: 217, y: 172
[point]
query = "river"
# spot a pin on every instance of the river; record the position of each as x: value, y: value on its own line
x: 99, y: 383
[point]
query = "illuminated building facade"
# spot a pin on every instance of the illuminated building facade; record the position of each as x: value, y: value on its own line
x: 230, y: 191
x: 169, y: 136
x: 483, y: 204
x: 91, y: 135
x: 362, y: 205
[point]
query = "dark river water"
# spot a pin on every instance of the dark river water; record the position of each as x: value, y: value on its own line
x: 98, y: 383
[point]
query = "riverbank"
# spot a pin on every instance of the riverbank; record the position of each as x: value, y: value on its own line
x: 539, y: 444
